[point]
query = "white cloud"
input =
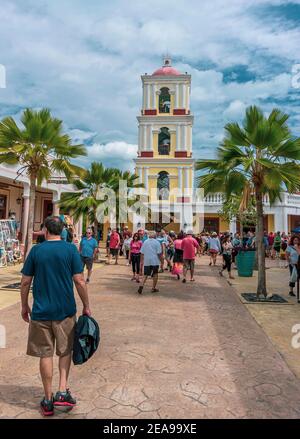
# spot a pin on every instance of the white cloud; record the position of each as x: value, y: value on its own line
x: 84, y: 61
x: 116, y: 154
x: 235, y: 110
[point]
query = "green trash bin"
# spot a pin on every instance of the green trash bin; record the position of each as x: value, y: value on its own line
x: 245, y: 262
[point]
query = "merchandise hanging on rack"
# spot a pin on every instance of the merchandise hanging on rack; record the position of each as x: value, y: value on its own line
x: 10, y: 249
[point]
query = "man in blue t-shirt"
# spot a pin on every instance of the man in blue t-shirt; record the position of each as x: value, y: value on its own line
x: 53, y: 266
x: 88, y: 249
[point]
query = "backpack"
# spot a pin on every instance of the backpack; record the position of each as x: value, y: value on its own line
x: 86, y: 339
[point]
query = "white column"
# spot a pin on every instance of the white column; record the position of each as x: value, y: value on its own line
x: 55, y: 201
x: 151, y: 137
x: 177, y: 96
x: 184, y: 144
x: 146, y: 178
x: 191, y: 138
x: 188, y: 97
x: 144, y: 137
x: 25, y: 213
x: 181, y: 98
x: 279, y: 220
x: 178, y: 132
x: 154, y: 96
x: 79, y: 228
x: 140, y: 174
x: 186, y: 178
x: 180, y: 180
x: 140, y: 138
x: 148, y: 96
x: 185, y: 96
x: 285, y: 221
x: 232, y: 226
x: 193, y: 177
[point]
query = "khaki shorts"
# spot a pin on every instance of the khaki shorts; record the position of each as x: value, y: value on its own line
x: 189, y: 264
x: 44, y: 335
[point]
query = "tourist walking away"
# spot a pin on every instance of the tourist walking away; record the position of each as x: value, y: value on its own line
x: 135, y: 256
x: 126, y: 248
x: 189, y: 246
x: 53, y: 266
x: 227, y: 249
x: 178, y: 256
x: 162, y: 239
x: 277, y: 244
x: 214, y: 247
x: 88, y: 249
x: 114, y: 246
x: 292, y: 257
x: 151, y: 258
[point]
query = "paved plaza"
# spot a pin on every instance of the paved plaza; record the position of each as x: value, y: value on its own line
x: 189, y: 351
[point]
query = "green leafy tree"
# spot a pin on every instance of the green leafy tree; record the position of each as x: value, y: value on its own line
x: 41, y: 149
x: 233, y: 207
x: 85, y: 200
x: 260, y: 157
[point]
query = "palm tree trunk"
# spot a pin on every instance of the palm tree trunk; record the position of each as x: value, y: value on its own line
x: 261, y: 284
x: 96, y: 227
x: 31, y: 213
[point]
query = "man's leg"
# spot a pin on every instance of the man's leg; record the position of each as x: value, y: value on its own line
x: 155, y: 279
x: 90, y: 269
x: 117, y: 257
x: 140, y: 290
x: 64, y: 369
x: 184, y: 272
x: 46, y: 370
x: 192, y: 265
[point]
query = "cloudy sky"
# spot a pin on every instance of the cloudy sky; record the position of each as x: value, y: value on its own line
x: 83, y: 60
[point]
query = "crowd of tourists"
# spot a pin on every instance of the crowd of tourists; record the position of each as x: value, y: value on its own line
x: 54, y: 265
x: 176, y: 253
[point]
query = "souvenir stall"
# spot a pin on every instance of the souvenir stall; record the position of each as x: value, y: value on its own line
x: 10, y: 249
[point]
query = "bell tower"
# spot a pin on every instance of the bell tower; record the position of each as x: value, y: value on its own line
x: 164, y: 161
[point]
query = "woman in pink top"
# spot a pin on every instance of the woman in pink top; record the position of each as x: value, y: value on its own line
x: 135, y: 256
x: 178, y: 256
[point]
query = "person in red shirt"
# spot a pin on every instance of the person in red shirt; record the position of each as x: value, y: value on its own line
x: 114, y: 246
x: 189, y: 246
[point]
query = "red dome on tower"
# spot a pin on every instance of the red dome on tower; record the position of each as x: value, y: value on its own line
x: 166, y: 69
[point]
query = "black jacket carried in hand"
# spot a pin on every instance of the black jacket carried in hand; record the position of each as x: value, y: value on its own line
x: 86, y: 340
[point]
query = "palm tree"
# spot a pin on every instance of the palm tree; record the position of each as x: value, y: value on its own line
x: 258, y: 158
x: 132, y: 182
x: 85, y: 198
x: 41, y: 148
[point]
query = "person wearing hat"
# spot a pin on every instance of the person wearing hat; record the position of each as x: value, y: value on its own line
x: 214, y: 248
x: 189, y: 246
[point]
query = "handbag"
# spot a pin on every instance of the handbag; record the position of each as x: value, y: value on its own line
x: 294, y: 275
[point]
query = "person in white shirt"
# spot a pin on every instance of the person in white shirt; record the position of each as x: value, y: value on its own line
x: 214, y: 247
x: 151, y: 258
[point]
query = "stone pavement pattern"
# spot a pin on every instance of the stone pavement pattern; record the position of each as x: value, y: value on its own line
x: 189, y: 351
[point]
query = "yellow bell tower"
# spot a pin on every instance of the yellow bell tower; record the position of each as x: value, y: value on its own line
x: 164, y: 164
